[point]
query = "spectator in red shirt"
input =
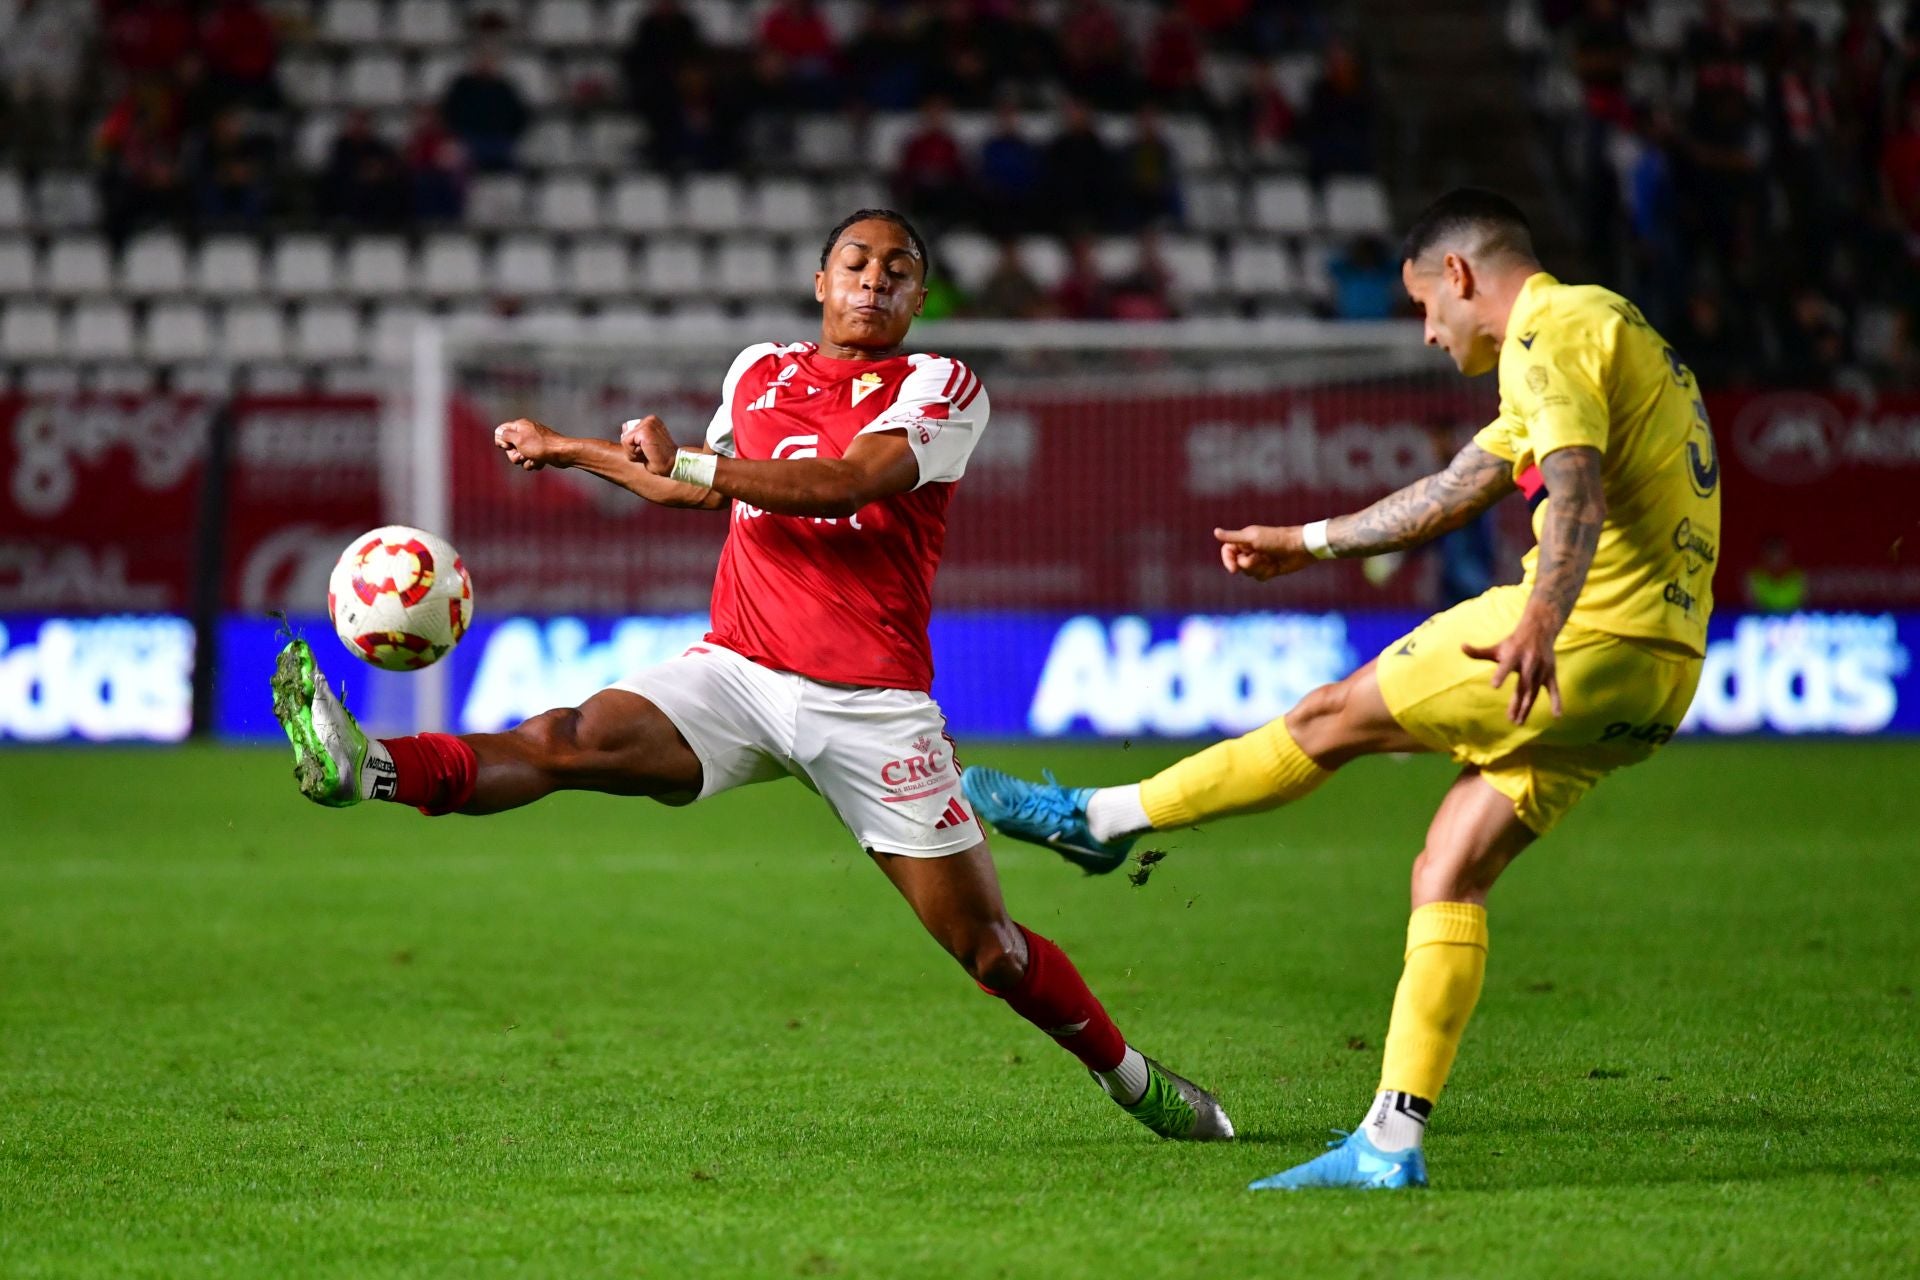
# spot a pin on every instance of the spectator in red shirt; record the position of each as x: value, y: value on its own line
x: 931, y: 177
x: 139, y: 148
x: 1900, y: 169
x: 437, y: 168
x: 1097, y: 58
x: 151, y: 36
x: 1262, y: 116
x: 1145, y: 292
x: 1172, y: 63
x: 1082, y: 294
x: 238, y: 44
x: 795, y: 31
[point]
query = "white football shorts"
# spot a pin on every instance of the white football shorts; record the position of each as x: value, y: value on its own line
x: 880, y: 757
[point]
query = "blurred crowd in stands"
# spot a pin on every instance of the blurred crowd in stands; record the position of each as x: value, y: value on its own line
x: 1756, y: 184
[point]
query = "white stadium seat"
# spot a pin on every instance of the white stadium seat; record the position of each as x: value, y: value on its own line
x: 630, y: 324
x: 378, y: 266
x: 674, y: 266
x: 1116, y: 257
x: 79, y: 265
x: 825, y: 142
x: 13, y: 201
x: 801, y: 260
x: 177, y: 332
x: 1045, y: 259
x: 309, y: 82
x: 530, y: 75
x: 30, y: 331
x: 435, y: 73
x: 1357, y: 206
x: 568, y: 204
x: 524, y: 265
x: 450, y: 267
x: 789, y: 205
x: 301, y: 266
x: 327, y: 331
x: 272, y: 378
x: 711, y: 202
x: 1261, y: 268
x: 598, y: 267
x: 567, y: 24
x: 421, y: 24
x: 375, y: 80
x: 254, y: 331
x: 552, y: 143
x: 1193, y: 264
x: 351, y: 21
x: 966, y: 256
x: 19, y: 265
x: 200, y: 379
x: 612, y: 142
x: 748, y: 268
x: 154, y: 264
x: 1284, y: 204
x: 101, y: 331
x: 390, y: 336
x: 120, y: 379
x: 229, y: 266
x: 497, y: 200
x: 66, y: 201
x: 313, y: 142
x: 642, y: 203
x: 553, y: 325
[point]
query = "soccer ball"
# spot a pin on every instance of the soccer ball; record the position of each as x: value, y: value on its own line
x: 400, y: 598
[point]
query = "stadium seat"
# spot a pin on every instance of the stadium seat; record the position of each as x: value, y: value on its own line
x: 531, y: 76
x: 523, y: 266
x: 202, y: 379
x: 19, y: 265
x: 967, y: 256
x: 229, y: 267
x: 120, y: 378
x: 825, y: 143
x: 13, y: 202
x: 350, y: 22
x: 748, y: 268
x: 568, y: 204
x: 273, y: 378
x: 612, y: 142
x: 700, y: 322
x: 450, y: 267
x: 435, y: 72
x: 788, y: 205
x: 1283, y: 204
x: 1259, y: 267
x: 355, y: 378
x: 1357, y: 206
x: 642, y: 203
x: 254, y: 331
x: 47, y: 379
x: 564, y: 24
x: 1193, y: 265
x: 798, y: 264
x: 30, y: 331
x: 552, y: 143
x: 856, y: 192
x: 598, y: 267
x: 496, y: 200
x: 378, y: 267
x: 675, y: 266
x: 390, y: 335
x: 425, y: 24
x: 625, y: 324
x: 552, y: 325
x: 887, y: 135
x: 176, y: 332
x: 313, y: 139
x: 66, y: 201
x: 327, y: 331
x: 773, y: 322
x: 153, y: 264
x: 79, y: 265
x: 1045, y: 259
x: 713, y: 202
x: 1193, y: 143
x: 301, y: 266
x: 1116, y: 257
x: 376, y: 79
x: 1295, y: 75
x: 101, y: 331
x: 722, y: 22
x: 309, y: 82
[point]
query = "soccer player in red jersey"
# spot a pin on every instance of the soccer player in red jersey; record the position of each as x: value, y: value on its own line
x: 838, y: 459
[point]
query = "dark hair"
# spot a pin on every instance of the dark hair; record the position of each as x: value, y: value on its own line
x: 879, y: 215
x: 1494, y: 220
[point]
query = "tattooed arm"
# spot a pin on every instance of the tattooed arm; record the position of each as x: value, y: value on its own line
x: 1425, y: 509
x: 1576, y: 508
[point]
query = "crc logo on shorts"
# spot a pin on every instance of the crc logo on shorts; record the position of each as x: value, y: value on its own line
x: 926, y: 763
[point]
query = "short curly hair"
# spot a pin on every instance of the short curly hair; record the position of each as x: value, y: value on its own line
x: 879, y: 215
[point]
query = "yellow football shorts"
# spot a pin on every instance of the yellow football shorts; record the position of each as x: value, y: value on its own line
x: 1623, y: 699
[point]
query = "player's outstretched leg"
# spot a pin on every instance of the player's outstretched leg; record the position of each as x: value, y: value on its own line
x: 1276, y: 764
x: 1473, y: 838
x: 957, y: 898
x: 617, y: 742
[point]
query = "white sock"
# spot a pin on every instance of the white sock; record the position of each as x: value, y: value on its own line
x: 1114, y: 812
x: 377, y: 774
x: 1126, y: 1083
x: 1396, y: 1121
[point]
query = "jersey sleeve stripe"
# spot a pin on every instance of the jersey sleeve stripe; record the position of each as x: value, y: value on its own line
x: 970, y: 392
x: 953, y: 376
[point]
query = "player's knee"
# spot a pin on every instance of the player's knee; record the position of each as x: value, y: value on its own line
x: 992, y: 957
x: 1438, y: 878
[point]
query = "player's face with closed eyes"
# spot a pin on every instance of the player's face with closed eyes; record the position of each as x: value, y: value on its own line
x: 872, y: 287
x: 1444, y: 298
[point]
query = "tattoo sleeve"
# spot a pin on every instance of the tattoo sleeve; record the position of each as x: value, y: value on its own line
x: 1576, y: 508
x: 1425, y: 509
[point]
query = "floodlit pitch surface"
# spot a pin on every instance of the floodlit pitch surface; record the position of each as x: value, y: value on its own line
x: 242, y: 1036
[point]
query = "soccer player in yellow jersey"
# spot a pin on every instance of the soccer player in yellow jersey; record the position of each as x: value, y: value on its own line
x: 1537, y: 690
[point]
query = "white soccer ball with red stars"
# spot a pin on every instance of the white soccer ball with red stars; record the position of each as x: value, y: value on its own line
x: 400, y: 598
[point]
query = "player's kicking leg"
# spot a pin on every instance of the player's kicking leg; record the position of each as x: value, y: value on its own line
x: 1474, y: 836
x: 616, y: 742
x: 957, y: 898
x: 1276, y: 764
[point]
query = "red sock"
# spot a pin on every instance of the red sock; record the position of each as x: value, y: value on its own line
x: 1054, y: 997
x: 435, y: 772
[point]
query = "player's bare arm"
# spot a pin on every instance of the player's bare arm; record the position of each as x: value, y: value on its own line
x: 532, y: 445
x: 875, y: 466
x: 1569, y: 535
x: 1424, y: 510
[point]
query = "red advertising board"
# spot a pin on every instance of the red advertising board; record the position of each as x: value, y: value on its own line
x: 1084, y: 500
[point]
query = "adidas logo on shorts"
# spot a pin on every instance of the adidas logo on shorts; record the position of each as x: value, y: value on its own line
x: 955, y: 815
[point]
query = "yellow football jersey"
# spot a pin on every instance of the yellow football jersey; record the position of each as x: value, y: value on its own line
x: 1581, y: 366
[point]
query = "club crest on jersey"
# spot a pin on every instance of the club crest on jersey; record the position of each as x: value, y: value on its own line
x: 865, y: 385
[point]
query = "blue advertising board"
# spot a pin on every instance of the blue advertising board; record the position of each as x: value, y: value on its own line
x: 1002, y: 675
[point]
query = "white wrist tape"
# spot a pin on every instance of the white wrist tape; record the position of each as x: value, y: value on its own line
x: 690, y: 467
x: 1315, y: 536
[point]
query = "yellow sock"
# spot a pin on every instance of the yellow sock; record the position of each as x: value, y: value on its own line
x: 1260, y: 770
x: 1446, y: 962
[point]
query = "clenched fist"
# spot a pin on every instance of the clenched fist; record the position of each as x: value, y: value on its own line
x: 647, y: 442
x: 1263, y: 551
x: 528, y: 444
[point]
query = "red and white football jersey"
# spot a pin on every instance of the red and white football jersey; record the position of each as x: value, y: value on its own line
x: 840, y: 600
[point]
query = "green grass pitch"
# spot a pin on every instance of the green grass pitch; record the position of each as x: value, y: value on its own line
x: 242, y: 1036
